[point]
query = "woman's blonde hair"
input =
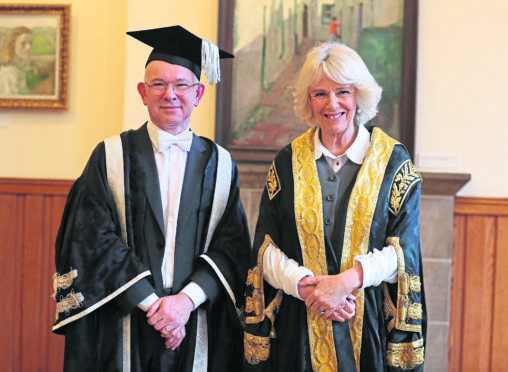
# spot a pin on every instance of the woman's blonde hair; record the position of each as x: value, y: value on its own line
x: 343, y: 65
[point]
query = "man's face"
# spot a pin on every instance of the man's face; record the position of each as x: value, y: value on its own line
x: 171, y: 109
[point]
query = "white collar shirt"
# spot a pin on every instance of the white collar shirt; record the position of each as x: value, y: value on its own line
x: 356, y: 152
x: 171, y: 161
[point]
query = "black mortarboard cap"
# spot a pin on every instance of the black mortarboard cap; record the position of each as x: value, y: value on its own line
x: 178, y: 46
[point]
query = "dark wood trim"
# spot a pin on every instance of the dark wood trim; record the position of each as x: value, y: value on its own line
x: 482, y: 206
x: 34, y: 186
x: 409, y: 70
x: 446, y: 184
x: 225, y: 87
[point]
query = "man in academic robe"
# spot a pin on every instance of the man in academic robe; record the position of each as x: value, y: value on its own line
x: 152, y: 250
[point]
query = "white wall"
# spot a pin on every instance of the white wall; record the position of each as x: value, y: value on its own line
x: 462, y: 90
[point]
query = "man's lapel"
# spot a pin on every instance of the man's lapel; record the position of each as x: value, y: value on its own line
x: 190, y: 200
x: 146, y: 161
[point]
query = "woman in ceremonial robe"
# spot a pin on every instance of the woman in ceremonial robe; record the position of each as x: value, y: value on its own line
x: 338, y: 223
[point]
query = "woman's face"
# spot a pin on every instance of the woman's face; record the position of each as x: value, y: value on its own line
x: 23, y: 46
x: 333, y: 106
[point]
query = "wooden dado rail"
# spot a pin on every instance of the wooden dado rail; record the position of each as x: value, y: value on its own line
x: 479, y: 296
x: 30, y: 212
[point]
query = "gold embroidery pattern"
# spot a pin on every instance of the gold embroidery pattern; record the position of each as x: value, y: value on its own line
x: 405, y: 177
x: 360, y: 212
x: 70, y: 302
x: 415, y: 311
x: 257, y: 348
x: 309, y: 221
x: 63, y: 281
x: 407, y: 284
x: 405, y: 356
x: 272, y: 182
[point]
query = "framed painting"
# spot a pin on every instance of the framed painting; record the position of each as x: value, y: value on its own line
x: 34, y: 56
x: 270, y: 38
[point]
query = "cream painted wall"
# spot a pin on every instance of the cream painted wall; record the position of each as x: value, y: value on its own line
x: 462, y: 89
x: 42, y: 144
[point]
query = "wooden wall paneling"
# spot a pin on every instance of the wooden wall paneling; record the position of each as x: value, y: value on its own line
x: 457, y: 296
x: 17, y: 316
x: 479, y: 298
x: 31, y: 297
x: 500, y: 323
x: 8, y: 280
x: 53, y: 216
x: 30, y: 213
x: 480, y: 247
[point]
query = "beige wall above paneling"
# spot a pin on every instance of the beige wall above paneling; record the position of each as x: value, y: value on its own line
x: 461, y: 88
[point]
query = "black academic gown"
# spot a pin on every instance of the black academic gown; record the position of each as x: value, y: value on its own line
x: 389, y: 327
x: 99, y: 279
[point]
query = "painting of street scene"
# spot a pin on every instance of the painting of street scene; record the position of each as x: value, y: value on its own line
x: 270, y: 41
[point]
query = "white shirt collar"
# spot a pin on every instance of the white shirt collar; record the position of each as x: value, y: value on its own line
x: 158, y: 135
x: 356, y: 152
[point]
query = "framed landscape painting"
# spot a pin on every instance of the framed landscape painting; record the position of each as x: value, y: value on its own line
x: 270, y: 38
x: 34, y: 56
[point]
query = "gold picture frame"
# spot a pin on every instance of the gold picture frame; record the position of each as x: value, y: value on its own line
x: 34, y: 56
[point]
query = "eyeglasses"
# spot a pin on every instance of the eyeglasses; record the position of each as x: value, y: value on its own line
x: 160, y: 88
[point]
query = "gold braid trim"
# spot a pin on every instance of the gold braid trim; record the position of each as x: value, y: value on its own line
x: 309, y: 223
x: 362, y: 204
x: 406, y: 355
x: 69, y: 302
x: 63, y: 281
x: 256, y: 303
x: 407, y: 283
x: 257, y: 348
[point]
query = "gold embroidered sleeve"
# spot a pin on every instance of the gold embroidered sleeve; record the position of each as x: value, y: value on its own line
x: 407, y: 314
x: 404, y: 179
x: 405, y: 356
x: 257, y: 348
